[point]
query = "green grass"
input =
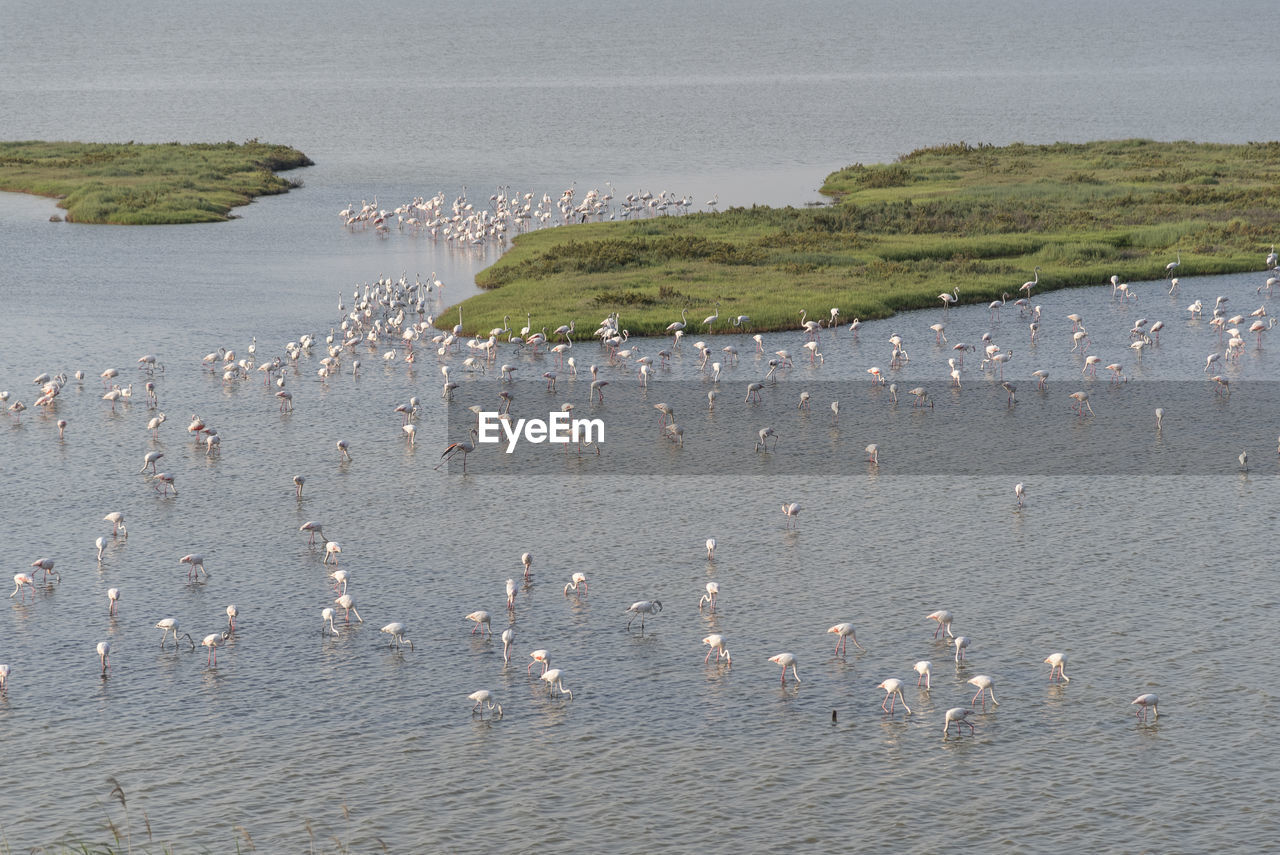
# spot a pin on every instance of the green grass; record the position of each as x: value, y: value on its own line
x: 897, y: 235
x: 148, y: 183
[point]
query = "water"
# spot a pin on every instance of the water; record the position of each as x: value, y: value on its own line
x: 1148, y: 581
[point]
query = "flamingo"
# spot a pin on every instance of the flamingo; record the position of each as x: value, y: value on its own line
x: 348, y: 603
x: 396, y: 630
x: 577, y: 584
x: 984, y: 684
x: 508, y: 636
x: 709, y: 598
x: 962, y: 644
x: 716, y: 642
x: 484, y: 697
x: 169, y: 625
x: 526, y: 558
x: 543, y: 658
x: 46, y: 564
x: 104, y: 656
x: 786, y: 660
x: 1027, y: 286
x: 552, y: 677
x: 113, y: 597
x: 149, y: 459
x: 1147, y: 701
x: 327, y: 618
x: 845, y: 632
x: 332, y: 549
x: 196, y: 560
x: 791, y: 511
x: 117, y: 520
x: 960, y: 715
x: 1173, y: 265
x: 943, y: 617
x: 1081, y: 403
x: 893, y: 693
x: 232, y: 613
x: 642, y: 608
x: 1056, y: 661
x: 481, y: 619
x: 1020, y: 491
x: 22, y: 582
x: 213, y: 641
x: 710, y: 320
x: 873, y: 454
x: 711, y: 548
x: 762, y: 440
x: 313, y: 528
x: 950, y: 299
x: 511, y: 595
x: 924, y: 668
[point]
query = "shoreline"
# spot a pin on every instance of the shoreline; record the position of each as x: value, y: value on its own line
x: 896, y: 236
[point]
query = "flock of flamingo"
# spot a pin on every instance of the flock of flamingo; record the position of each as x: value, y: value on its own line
x: 463, y: 222
x: 382, y: 318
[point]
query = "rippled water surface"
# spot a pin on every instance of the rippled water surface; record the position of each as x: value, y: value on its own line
x: 1149, y: 581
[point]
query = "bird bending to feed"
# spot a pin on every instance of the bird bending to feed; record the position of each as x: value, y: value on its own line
x: 845, y: 631
x: 962, y: 644
x: 196, y: 560
x: 711, y: 548
x: 104, y: 657
x: 484, y: 697
x: 526, y: 558
x: 709, y: 598
x: 396, y: 630
x: 481, y: 619
x: 169, y: 625
x: 984, y: 684
x: 960, y: 715
x: 315, y: 530
x: 541, y: 657
x: 508, y: 636
x: 577, y: 584
x: 924, y: 668
x: 551, y: 677
x: 23, y: 582
x: 893, y: 693
x: 1147, y: 701
x: 326, y: 620
x: 1020, y: 491
x: 943, y: 617
x: 715, y: 642
x: 1056, y: 661
x: 642, y: 608
x: 791, y: 511
x: 117, y: 519
x: 348, y: 602
x: 786, y: 660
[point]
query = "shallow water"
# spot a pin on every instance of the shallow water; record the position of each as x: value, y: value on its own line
x: 1149, y: 581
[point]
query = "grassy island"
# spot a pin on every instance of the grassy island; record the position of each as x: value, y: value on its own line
x: 148, y: 183
x: 895, y: 236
